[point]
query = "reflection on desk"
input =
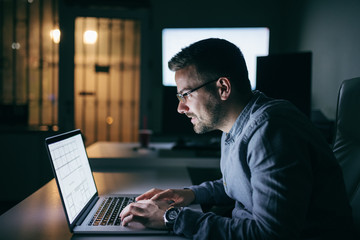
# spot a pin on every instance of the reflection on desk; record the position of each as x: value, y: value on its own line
x: 41, y: 215
x: 127, y: 155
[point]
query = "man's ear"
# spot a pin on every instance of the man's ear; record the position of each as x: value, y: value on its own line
x: 224, y: 88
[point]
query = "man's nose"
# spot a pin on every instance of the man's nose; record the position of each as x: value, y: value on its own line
x: 182, y: 108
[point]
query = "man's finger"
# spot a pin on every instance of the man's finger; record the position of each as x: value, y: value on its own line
x: 165, y: 195
x: 125, y: 221
x: 133, y: 218
x: 149, y: 194
x: 129, y: 210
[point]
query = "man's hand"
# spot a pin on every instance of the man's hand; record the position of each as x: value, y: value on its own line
x: 175, y: 197
x: 149, y: 213
x: 149, y: 194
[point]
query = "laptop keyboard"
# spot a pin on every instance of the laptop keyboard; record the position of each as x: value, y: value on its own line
x: 109, y: 210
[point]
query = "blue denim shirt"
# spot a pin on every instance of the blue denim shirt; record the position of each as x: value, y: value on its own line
x: 282, y: 175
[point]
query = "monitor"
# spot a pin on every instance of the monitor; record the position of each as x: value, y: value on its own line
x: 286, y: 76
x: 252, y: 41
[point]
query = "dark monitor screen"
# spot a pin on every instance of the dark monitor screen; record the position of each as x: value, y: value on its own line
x: 286, y: 76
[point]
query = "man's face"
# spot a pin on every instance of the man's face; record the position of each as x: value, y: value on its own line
x: 202, y: 107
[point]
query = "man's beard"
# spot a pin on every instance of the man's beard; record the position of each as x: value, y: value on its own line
x: 211, y: 121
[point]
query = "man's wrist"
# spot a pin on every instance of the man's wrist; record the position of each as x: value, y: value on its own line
x: 170, y: 216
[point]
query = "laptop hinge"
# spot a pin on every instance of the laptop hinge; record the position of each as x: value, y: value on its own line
x: 87, y: 210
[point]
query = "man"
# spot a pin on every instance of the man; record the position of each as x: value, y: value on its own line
x: 276, y: 167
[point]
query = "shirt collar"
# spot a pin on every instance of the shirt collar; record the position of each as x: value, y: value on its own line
x: 242, y: 118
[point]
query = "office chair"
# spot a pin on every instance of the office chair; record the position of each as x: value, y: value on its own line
x: 347, y: 142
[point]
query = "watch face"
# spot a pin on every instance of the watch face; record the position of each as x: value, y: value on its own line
x: 173, y: 214
x: 170, y: 216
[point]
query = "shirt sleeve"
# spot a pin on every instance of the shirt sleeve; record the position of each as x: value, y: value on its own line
x: 211, y: 192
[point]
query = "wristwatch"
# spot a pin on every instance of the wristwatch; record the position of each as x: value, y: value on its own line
x: 170, y: 216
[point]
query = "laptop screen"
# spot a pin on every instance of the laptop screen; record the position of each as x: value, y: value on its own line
x: 73, y: 173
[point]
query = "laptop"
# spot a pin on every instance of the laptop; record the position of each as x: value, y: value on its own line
x: 86, y: 212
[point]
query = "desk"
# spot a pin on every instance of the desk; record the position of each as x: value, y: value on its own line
x: 129, y: 155
x: 41, y: 215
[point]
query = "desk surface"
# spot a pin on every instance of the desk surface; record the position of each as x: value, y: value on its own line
x: 41, y: 215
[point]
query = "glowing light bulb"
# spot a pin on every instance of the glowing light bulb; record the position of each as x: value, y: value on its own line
x: 55, y: 35
x: 15, y: 45
x: 90, y: 37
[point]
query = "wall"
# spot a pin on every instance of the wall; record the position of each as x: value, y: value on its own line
x: 331, y: 31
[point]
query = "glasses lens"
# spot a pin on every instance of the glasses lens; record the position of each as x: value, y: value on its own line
x: 180, y: 97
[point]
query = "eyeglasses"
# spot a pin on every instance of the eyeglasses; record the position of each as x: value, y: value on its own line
x: 181, y: 96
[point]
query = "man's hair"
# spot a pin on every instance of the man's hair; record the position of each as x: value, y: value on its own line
x: 214, y: 58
